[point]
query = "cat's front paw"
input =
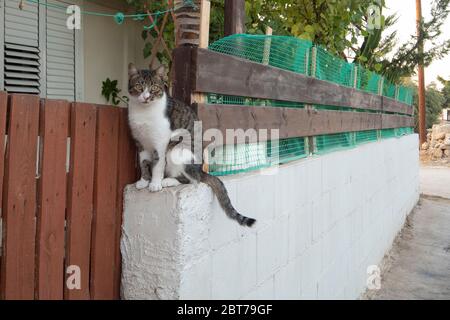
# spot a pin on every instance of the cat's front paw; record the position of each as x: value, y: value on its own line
x: 142, y: 184
x: 155, y: 186
x: 170, y: 182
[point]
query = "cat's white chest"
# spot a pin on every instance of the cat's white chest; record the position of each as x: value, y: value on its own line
x: 150, y: 125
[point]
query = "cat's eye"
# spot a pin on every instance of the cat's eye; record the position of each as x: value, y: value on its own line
x: 154, y: 88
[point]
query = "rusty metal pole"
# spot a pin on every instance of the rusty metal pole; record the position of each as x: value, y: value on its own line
x: 421, y: 74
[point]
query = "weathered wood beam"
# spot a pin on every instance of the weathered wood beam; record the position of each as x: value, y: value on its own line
x: 391, y: 121
x: 391, y: 105
x: 224, y: 74
x: 290, y: 122
x: 228, y: 75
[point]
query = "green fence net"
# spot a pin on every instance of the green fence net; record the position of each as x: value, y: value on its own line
x: 303, y: 57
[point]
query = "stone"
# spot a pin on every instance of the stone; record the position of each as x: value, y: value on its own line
x: 447, y: 141
x: 440, y: 136
x: 425, y: 146
x: 447, y: 153
x: 437, y: 153
x: 438, y: 130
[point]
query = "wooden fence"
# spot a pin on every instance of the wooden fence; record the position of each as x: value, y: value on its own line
x: 65, y: 165
x: 199, y: 71
x: 62, y: 175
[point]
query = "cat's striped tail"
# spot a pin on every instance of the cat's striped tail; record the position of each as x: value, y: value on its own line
x: 224, y: 200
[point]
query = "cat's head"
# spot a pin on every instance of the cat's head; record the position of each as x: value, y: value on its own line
x: 145, y: 86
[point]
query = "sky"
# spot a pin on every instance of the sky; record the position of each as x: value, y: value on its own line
x: 406, y: 25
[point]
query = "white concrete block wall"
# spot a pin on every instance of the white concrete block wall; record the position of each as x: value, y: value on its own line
x: 321, y: 222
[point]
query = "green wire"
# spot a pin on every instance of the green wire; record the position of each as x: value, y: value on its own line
x: 101, y: 14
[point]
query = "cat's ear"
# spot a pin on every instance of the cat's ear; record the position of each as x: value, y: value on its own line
x: 161, y: 72
x: 132, y: 70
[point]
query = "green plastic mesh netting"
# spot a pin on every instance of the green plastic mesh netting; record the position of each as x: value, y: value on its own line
x: 283, y: 52
x: 213, y: 98
x: 333, y: 142
x: 331, y: 68
x: 296, y: 55
x: 303, y: 57
x: 234, y: 159
x: 366, y: 136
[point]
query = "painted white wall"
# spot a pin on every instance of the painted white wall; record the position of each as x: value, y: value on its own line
x: 108, y: 48
x: 321, y: 222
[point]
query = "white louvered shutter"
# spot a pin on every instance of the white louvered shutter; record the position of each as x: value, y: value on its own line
x: 21, y: 48
x: 60, y: 55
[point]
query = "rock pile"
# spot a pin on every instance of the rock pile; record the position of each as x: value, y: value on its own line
x: 438, y: 142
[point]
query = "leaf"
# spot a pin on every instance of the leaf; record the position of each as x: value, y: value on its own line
x: 148, y: 49
x: 310, y: 29
x: 378, y: 67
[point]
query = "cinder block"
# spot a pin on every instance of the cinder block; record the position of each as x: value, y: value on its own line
x: 196, y: 281
x: 247, y: 272
x: 256, y: 197
x: 223, y: 230
x: 273, y: 247
x: 314, y: 177
x: 300, y: 231
x: 321, y: 222
x: 264, y: 291
x: 225, y: 277
x: 288, y: 281
x: 311, y: 266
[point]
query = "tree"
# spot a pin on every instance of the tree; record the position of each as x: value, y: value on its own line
x: 343, y: 28
x: 445, y: 92
x: 434, y: 102
x: 347, y: 28
x: 407, y: 58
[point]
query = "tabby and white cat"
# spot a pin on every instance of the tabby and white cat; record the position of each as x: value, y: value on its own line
x: 155, y: 118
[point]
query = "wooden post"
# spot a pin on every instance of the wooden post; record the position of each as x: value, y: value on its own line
x: 421, y: 74
x: 267, y: 44
x: 311, y: 141
x: 182, y: 55
x: 234, y: 17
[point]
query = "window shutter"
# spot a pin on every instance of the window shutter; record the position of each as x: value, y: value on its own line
x: 60, y: 55
x: 21, y: 48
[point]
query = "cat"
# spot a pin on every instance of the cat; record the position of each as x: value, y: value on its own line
x: 155, y: 119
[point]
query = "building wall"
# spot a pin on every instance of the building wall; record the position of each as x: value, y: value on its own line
x: 108, y: 48
x: 446, y: 114
x: 322, y: 222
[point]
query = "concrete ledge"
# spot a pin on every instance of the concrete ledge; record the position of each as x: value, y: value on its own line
x: 321, y: 222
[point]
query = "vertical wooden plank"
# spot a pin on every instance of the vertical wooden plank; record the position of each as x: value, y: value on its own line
x: 205, y: 15
x: 105, y: 218
x: 234, y: 17
x: 80, y: 195
x: 19, y: 205
x: 127, y: 173
x: 183, y: 74
x: 3, y: 113
x: 52, y: 200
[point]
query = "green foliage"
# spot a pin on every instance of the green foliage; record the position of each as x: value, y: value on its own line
x: 445, y: 92
x: 407, y: 57
x: 342, y: 27
x: 434, y: 102
x: 111, y: 93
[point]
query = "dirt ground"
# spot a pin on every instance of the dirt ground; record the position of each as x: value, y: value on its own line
x: 418, y: 266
